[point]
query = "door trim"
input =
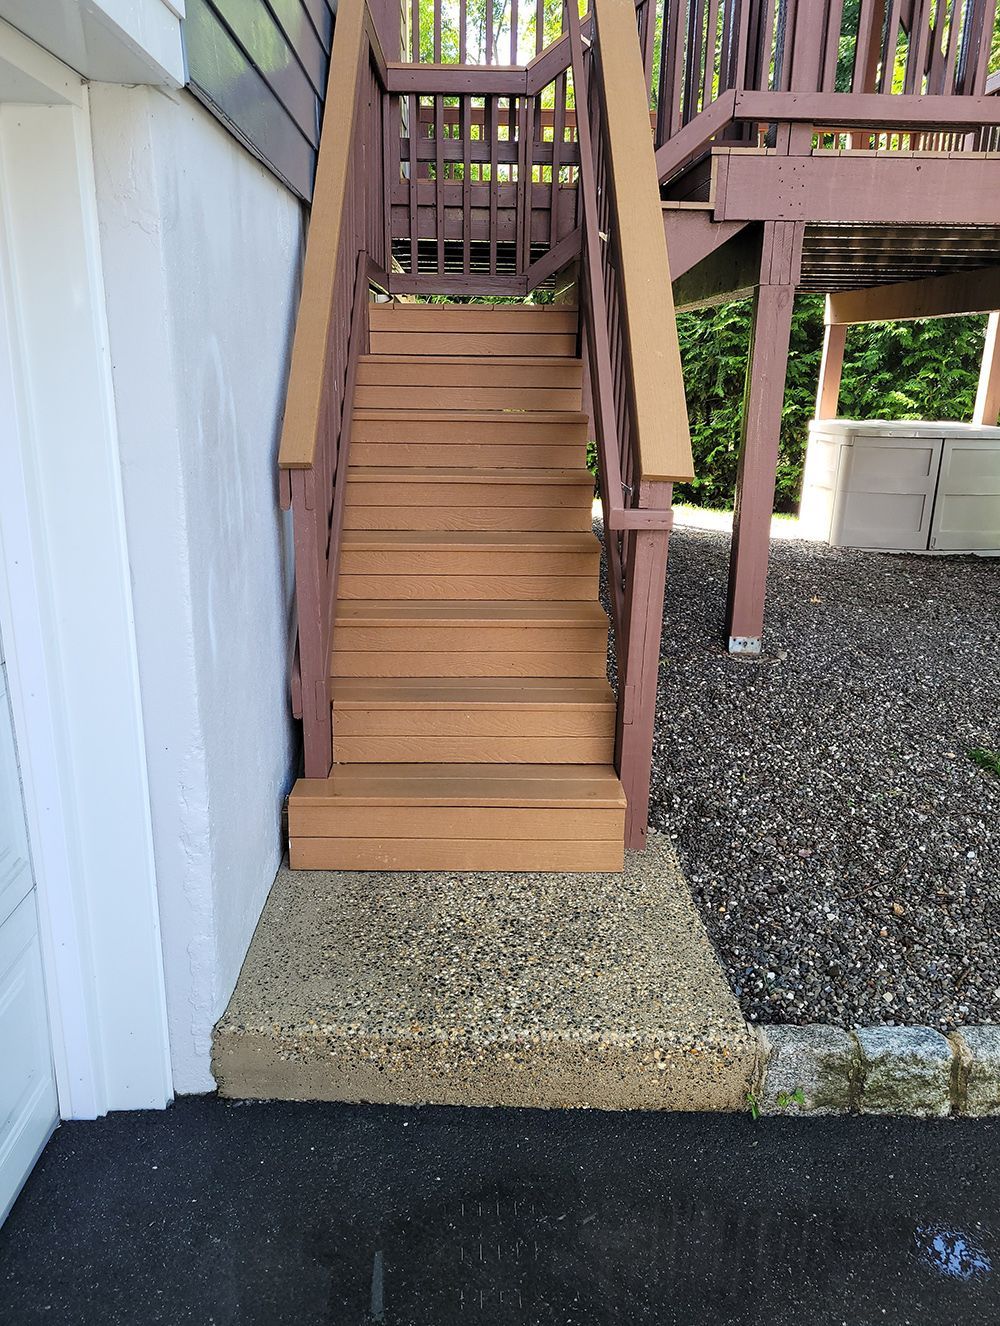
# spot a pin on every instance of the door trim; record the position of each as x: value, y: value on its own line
x: 66, y: 614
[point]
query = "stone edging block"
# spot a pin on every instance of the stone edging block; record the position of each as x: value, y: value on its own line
x: 918, y: 1071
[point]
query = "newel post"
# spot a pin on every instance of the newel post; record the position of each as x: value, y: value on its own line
x: 645, y: 583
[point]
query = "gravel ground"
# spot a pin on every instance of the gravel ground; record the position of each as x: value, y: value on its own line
x: 842, y: 846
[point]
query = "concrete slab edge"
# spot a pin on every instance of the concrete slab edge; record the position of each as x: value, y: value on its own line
x: 918, y: 1071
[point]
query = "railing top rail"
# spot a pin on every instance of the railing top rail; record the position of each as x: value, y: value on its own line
x: 662, y: 437
x: 301, y: 428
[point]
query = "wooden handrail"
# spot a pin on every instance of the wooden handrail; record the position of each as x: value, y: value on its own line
x: 303, y: 419
x: 662, y: 442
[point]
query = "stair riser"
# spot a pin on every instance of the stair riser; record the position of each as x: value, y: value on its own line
x: 470, y: 639
x: 454, y: 588
x: 474, y: 750
x: 499, y: 518
x: 483, y: 854
x: 460, y: 453
x: 476, y: 318
x: 514, y: 431
x: 466, y: 398
x: 470, y: 562
x: 457, y: 495
x: 461, y: 823
x: 425, y: 721
x: 561, y: 665
x: 472, y: 343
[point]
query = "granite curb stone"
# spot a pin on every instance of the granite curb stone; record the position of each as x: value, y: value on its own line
x: 818, y: 1069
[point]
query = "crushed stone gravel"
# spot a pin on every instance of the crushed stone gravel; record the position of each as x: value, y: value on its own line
x: 841, y: 844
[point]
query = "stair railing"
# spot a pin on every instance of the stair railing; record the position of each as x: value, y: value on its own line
x: 347, y: 242
x: 637, y: 388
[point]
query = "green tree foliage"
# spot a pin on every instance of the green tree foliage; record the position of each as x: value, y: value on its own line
x: 900, y: 370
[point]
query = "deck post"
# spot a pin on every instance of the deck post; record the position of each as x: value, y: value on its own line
x: 987, y: 409
x: 830, y: 370
x: 780, y: 263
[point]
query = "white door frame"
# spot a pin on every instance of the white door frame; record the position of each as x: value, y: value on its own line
x: 66, y: 606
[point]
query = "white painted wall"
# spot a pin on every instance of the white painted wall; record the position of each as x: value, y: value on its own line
x: 201, y: 250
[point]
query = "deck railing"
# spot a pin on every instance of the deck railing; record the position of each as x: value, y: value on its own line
x: 348, y: 239
x: 554, y: 160
x: 860, y: 69
x: 483, y: 173
x: 639, y: 410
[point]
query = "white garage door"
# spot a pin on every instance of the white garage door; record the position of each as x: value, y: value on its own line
x: 28, y: 1107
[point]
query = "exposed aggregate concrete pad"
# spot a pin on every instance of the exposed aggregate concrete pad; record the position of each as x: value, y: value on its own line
x: 487, y: 989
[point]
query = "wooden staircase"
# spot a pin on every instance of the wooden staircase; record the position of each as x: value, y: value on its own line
x: 473, y: 723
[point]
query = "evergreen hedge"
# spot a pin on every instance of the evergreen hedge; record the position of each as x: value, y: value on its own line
x: 900, y: 370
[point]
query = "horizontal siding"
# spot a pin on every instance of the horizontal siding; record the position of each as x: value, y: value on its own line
x: 261, y: 66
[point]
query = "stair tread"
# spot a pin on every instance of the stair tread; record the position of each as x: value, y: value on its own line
x: 467, y: 612
x: 541, y: 785
x: 464, y: 474
x: 474, y: 692
x: 482, y: 540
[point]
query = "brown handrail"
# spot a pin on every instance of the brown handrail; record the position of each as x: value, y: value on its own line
x: 348, y: 237
x: 637, y: 388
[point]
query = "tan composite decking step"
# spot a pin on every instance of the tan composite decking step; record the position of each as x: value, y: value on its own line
x: 413, y: 638
x: 491, y: 318
x: 468, y: 564
x: 427, y: 382
x: 487, y: 720
x: 501, y: 439
x: 480, y: 498
x: 458, y: 817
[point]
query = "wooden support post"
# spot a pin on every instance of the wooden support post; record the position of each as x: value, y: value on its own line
x: 765, y: 389
x: 830, y: 370
x: 987, y: 409
x: 645, y: 582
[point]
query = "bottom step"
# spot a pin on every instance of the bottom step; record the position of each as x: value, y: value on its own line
x: 478, y: 989
x: 458, y: 817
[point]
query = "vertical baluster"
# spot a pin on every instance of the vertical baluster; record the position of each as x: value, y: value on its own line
x: 831, y: 50
x: 489, y: 32
x: 916, y: 50
x: 463, y: 22
x: 693, y: 73
x: 439, y: 180
x: 415, y: 31
x: 413, y: 105
x: 950, y: 61
x: 558, y: 139
x: 711, y: 41
x: 437, y: 32
x: 466, y: 109
x: 889, y: 43
x: 493, y: 104
x: 513, y: 32
x: 522, y: 213
x: 866, y: 45
x: 979, y: 66
x: 668, y: 109
x: 539, y: 26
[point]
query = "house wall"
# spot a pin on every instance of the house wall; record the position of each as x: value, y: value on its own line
x: 201, y: 250
x: 262, y: 69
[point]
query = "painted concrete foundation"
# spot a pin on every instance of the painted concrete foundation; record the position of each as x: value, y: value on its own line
x: 201, y: 250
x: 596, y: 991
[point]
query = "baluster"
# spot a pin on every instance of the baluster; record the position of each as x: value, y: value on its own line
x: 711, y: 40
x: 668, y: 107
x: 415, y: 32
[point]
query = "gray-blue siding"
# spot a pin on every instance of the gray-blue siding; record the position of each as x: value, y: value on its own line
x: 261, y: 66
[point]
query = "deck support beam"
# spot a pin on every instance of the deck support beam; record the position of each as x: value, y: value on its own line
x: 780, y: 264
x: 987, y: 409
x: 831, y: 369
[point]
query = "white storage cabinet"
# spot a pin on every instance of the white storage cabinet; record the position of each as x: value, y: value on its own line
x: 903, y: 486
